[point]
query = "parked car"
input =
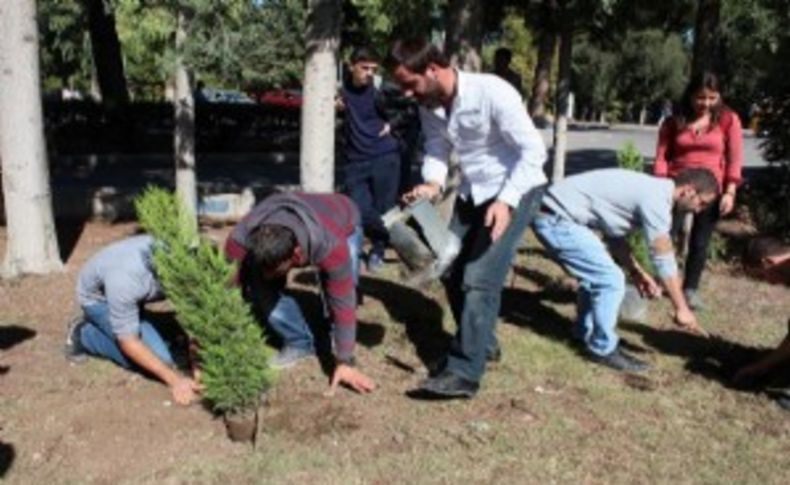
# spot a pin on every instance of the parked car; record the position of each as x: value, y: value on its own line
x: 211, y: 95
x: 283, y: 98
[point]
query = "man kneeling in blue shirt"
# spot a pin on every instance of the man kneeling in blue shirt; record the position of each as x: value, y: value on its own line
x: 615, y: 202
x: 111, y: 289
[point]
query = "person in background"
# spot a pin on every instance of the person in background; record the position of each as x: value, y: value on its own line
x: 705, y: 133
x: 371, y: 152
x: 502, y: 58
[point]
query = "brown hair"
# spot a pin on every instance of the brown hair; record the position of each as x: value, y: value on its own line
x: 703, y: 80
x: 415, y: 54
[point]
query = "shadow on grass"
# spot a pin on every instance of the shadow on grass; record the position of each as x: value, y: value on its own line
x: 421, y: 316
x: 552, y: 290
x: 713, y: 358
x: 7, y: 456
x: 524, y: 309
x: 12, y: 335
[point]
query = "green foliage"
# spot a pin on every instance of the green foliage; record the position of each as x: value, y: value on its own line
x: 771, y: 200
x: 374, y: 22
x: 648, y: 66
x: 64, y: 46
x: 239, y: 44
x: 196, y: 279
x: 146, y: 34
x: 630, y: 158
x: 594, y: 74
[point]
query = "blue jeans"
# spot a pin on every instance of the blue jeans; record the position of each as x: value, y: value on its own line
x: 97, y: 338
x: 373, y: 186
x: 601, y: 281
x: 474, y: 283
x: 286, y: 319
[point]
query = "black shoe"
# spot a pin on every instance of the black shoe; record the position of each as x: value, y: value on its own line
x: 783, y: 402
x: 494, y: 354
x: 447, y: 386
x: 73, y: 349
x: 621, y: 361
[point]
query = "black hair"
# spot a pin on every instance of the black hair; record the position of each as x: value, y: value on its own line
x: 362, y: 54
x: 702, y: 179
x: 271, y: 245
x: 505, y: 54
x: 415, y: 54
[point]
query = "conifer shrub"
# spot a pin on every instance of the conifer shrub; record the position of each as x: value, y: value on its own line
x: 630, y: 158
x: 196, y: 278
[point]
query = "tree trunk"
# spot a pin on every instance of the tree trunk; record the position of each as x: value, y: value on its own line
x: 184, y: 129
x: 563, y: 92
x: 546, y: 48
x: 107, y: 54
x: 32, y: 245
x: 705, y: 33
x: 464, y: 42
x: 317, y: 146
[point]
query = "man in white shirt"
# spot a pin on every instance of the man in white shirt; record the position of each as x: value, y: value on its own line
x: 482, y: 118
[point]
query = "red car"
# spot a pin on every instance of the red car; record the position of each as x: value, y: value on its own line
x: 283, y: 98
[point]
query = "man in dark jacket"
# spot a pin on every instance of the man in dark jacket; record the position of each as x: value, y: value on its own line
x: 372, y: 154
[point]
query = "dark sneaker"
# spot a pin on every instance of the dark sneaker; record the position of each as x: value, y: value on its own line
x: 289, y: 357
x: 494, y: 354
x: 447, y: 386
x: 73, y: 349
x: 694, y: 300
x: 619, y: 360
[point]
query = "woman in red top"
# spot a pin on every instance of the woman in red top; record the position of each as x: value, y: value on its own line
x: 705, y: 134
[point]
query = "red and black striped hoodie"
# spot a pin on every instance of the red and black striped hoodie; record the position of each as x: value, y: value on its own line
x: 322, y: 224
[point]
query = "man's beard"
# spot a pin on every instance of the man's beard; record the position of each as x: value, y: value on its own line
x: 432, y: 98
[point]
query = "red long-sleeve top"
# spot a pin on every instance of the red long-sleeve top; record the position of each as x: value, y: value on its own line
x: 719, y: 150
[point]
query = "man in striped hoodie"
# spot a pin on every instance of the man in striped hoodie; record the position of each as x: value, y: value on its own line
x: 298, y: 229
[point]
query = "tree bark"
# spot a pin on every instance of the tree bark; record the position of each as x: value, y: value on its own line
x: 317, y: 145
x: 546, y: 48
x: 32, y: 245
x: 705, y: 33
x: 464, y: 42
x: 563, y: 92
x: 184, y: 130
x: 106, y: 50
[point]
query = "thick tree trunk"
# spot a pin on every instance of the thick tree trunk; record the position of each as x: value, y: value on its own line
x: 32, y: 245
x: 563, y: 92
x: 184, y: 130
x: 464, y: 42
x: 107, y: 54
x: 317, y: 147
x: 546, y: 48
x: 705, y: 33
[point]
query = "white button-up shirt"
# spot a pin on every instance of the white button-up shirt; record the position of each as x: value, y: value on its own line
x: 501, y: 154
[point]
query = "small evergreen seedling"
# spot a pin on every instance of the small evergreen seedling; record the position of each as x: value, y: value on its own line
x: 630, y: 158
x: 197, y: 277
